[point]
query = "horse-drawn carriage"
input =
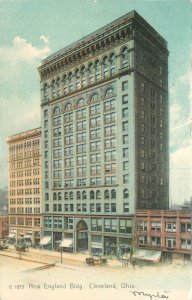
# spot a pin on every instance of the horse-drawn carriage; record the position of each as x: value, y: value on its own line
x: 96, y: 260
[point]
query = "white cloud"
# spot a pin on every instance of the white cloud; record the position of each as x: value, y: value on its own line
x: 175, y: 112
x: 44, y: 38
x: 181, y: 174
x: 22, y: 50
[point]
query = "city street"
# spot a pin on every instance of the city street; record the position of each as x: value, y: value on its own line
x: 21, y: 279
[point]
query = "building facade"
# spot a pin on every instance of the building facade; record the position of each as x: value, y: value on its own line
x: 25, y: 207
x: 104, y: 109
x: 165, y: 230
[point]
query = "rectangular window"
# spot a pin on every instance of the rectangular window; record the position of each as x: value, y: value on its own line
x: 142, y: 225
x: 124, y: 99
x: 125, y: 86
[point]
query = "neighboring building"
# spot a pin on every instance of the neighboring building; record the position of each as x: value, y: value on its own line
x: 3, y: 199
x: 4, y: 224
x: 25, y: 210
x: 104, y: 103
x: 166, y: 230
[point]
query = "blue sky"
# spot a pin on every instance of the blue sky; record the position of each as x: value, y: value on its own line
x: 32, y: 29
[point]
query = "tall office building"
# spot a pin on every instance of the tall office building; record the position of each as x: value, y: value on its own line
x: 104, y: 103
x: 24, y: 199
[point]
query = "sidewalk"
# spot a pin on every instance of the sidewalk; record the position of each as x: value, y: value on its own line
x: 48, y: 257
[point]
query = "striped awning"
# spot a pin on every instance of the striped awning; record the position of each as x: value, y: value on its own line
x: 11, y: 235
x: 45, y: 240
x: 150, y: 255
x: 66, y: 243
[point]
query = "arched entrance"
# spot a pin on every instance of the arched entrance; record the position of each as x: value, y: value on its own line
x: 82, y: 236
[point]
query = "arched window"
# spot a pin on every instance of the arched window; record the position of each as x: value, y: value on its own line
x: 98, y: 194
x: 112, y: 63
x: 77, y: 77
x: 109, y: 92
x: 80, y: 102
x: 113, y: 194
x: 70, y: 81
x: 54, y: 196
x: 59, y: 86
x: 64, y: 84
x: 84, y: 195
x: 83, y: 75
x: 68, y: 106
x: 46, y: 196
x: 106, y: 194
x: 70, y: 77
x: 78, y: 195
x: 97, y: 70
x: 94, y: 97
x: 105, y: 67
x: 90, y: 73
x: 45, y: 91
x: 92, y: 195
x: 53, y: 88
x: 59, y: 196
x: 66, y: 195
x: 77, y: 74
x: 124, y: 57
x: 71, y: 195
x: 64, y: 79
x: 56, y: 110
x: 125, y: 194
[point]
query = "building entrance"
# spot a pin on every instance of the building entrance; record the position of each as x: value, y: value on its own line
x: 82, y: 236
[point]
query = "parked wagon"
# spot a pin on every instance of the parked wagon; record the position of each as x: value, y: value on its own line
x: 96, y: 260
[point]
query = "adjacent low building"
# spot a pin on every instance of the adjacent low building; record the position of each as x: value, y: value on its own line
x: 169, y: 231
x: 4, y: 224
x: 25, y: 209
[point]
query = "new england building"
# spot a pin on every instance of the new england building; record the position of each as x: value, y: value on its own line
x: 104, y: 119
x: 25, y: 207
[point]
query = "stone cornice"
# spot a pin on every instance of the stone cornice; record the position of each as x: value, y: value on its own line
x: 70, y: 61
x: 24, y: 136
x: 106, y: 32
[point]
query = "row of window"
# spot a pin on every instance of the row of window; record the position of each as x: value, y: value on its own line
x: 26, y: 210
x: 34, y: 181
x: 24, y: 173
x: 109, y: 225
x: 84, y: 195
x: 81, y: 77
x: 92, y: 207
x: 24, y: 201
x: 33, y: 144
x: 25, y: 221
x: 24, y: 191
x: 25, y: 164
x: 166, y: 242
x: 168, y: 226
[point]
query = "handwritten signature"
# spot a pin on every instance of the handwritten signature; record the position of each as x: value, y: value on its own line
x: 151, y: 296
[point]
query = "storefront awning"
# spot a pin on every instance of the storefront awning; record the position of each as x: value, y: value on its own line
x: 150, y: 255
x: 11, y: 235
x: 27, y: 237
x: 45, y: 240
x: 66, y: 243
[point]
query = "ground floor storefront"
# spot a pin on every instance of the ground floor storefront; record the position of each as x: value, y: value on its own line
x: 110, y: 236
